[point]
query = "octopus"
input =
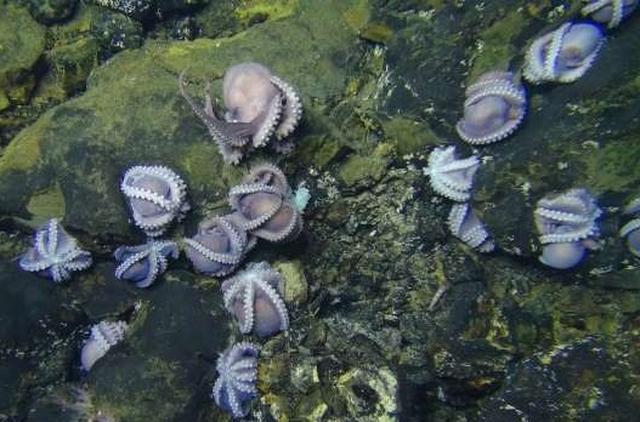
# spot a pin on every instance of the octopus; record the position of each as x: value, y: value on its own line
x: 142, y: 264
x: 265, y: 206
x: 253, y: 296
x: 235, y: 386
x: 218, y: 247
x: 259, y: 107
x: 609, y: 12
x: 631, y: 230
x: 567, y: 226
x: 55, y: 253
x: 104, y: 336
x: 495, y: 106
x: 450, y: 176
x: 563, y: 55
x: 466, y: 226
x: 156, y: 195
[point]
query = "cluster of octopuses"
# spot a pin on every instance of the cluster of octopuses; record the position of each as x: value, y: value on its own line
x: 263, y: 206
x: 495, y: 106
x: 259, y: 107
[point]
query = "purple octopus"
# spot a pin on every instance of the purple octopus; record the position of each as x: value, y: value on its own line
x: 609, y: 12
x: 563, y: 55
x: 259, y: 106
x: 264, y: 205
x: 253, y: 296
x: 567, y: 226
x: 494, y: 108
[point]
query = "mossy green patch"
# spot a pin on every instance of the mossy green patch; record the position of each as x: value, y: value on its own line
x: 23, y: 154
x: 319, y: 150
x: 359, y: 168
x: 46, y: 204
x: 496, y: 49
x: 357, y: 15
x: 21, y: 45
x: 376, y: 32
x: 259, y: 10
x: 409, y: 136
x: 614, y: 166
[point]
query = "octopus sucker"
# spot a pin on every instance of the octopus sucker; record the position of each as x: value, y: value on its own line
x: 55, y: 253
x: 258, y: 105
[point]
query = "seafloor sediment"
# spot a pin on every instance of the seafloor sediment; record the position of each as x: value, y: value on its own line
x: 89, y: 88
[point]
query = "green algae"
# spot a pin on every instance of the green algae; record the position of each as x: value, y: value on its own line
x: 409, y: 136
x: 46, y: 204
x: 22, y: 42
x: 358, y: 168
x: 259, y: 10
x: 496, y: 49
x: 613, y: 166
x: 296, y: 288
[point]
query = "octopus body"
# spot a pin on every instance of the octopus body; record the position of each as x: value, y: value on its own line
x: 466, y: 226
x: 156, y: 195
x: 563, y: 55
x: 259, y: 106
x: 142, y: 264
x: 609, y: 12
x: 265, y: 206
x: 450, y: 176
x: 218, y: 247
x: 567, y: 227
x: 495, y: 106
x: 631, y: 230
x: 253, y: 296
x: 55, y: 253
x: 235, y: 386
x: 104, y: 336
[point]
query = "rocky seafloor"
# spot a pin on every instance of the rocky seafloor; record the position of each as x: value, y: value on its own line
x: 89, y: 88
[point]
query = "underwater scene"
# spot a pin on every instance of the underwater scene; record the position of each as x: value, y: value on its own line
x: 319, y: 210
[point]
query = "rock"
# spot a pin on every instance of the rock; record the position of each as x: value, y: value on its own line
x: 50, y: 11
x: 296, y: 289
x: 21, y: 45
x: 38, y: 333
x: 122, y: 121
x: 580, y: 381
x: 166, y: 363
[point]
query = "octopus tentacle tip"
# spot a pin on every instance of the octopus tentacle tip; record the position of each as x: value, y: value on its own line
x: 494, y: 108
x: 55, y: 253
x: 563, y: 55
x: 235, y: 386
x: 253, y: 296
x: 450, y: 176
x: 566, y: 223
x: 259, y: 106
x: 143, y: 264
x: 156, y: 196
